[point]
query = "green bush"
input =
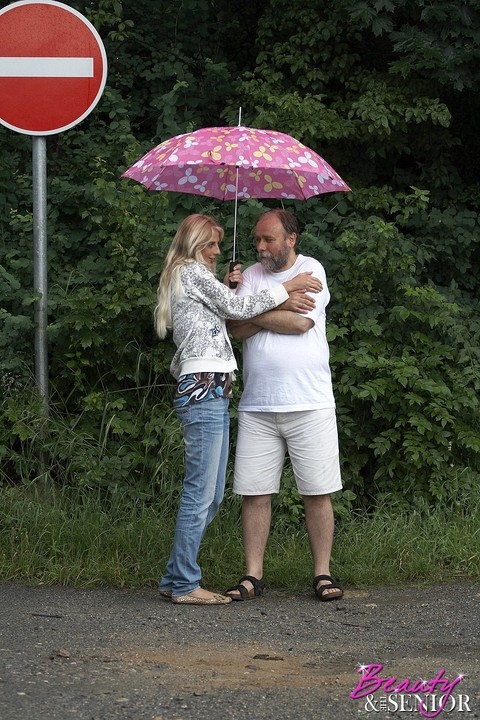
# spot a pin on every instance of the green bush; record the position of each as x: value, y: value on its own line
x: 400, y: 250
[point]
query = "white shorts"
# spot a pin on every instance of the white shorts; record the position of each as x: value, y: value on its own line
x: 311, y: 439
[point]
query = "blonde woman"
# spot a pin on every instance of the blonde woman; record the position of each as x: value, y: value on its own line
x: 195, y: 305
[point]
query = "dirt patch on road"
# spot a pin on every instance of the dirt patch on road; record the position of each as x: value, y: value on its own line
x: 202, y: 666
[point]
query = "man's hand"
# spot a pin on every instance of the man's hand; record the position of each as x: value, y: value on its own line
x: 299, y: 302
x: 305, y: 281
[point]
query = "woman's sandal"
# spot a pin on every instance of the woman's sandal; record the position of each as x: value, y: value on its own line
x: 332, y: 585
x: 245, y: 593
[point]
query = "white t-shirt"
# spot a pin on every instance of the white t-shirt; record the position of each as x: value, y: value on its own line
x: 286, y: 373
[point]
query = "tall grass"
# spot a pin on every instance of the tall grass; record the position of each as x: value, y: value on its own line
x: 81, y: 537
x: 77, y: 537
x: 105, y: 510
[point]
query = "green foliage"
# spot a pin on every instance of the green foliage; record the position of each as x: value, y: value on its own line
x: 387, y: 92
x: 440, y: 40
x: 128, y: 441
x: 405, y: 359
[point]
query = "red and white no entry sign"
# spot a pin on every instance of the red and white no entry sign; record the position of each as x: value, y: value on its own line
x: 53, y: 67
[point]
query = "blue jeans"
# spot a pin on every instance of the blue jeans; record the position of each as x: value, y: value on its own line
x: 206, y: 436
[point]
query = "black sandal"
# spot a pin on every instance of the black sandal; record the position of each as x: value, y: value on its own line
x: 332, y: 585
x: 245, y: 594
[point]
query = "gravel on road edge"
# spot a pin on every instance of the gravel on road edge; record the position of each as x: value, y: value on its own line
x: 112, y: 654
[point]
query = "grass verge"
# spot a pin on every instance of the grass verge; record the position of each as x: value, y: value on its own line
x: 80, y: 538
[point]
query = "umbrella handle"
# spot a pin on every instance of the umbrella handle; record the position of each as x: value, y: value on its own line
x: 231, y: 267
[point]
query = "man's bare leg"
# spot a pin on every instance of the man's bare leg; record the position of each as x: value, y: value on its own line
x: 256, y: 518
x: 320, y: 527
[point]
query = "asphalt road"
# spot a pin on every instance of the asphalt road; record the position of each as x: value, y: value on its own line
x: 110, y: 654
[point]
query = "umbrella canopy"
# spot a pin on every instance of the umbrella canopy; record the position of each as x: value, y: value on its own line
x: 236, y: 162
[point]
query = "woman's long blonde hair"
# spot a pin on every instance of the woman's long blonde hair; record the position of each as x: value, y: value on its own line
x: 193, y: 235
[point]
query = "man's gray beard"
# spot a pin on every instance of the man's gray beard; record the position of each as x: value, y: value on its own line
x: 275, y: 264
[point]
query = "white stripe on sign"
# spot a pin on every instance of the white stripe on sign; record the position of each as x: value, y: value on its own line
x: 37, y: 67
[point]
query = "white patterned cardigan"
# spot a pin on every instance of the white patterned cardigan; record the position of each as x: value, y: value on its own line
x: 198, y: 320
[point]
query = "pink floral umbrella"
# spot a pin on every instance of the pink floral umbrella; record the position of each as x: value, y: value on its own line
x: 236, y: 162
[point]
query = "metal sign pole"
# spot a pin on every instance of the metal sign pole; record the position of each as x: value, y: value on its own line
x: 49, y: 81
x: 39, y: 159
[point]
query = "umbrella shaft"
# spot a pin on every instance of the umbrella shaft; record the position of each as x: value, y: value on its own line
x: 234, y: 248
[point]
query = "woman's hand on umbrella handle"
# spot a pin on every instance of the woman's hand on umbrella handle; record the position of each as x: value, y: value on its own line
x: 305, y: 281
x: 233, y: 276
